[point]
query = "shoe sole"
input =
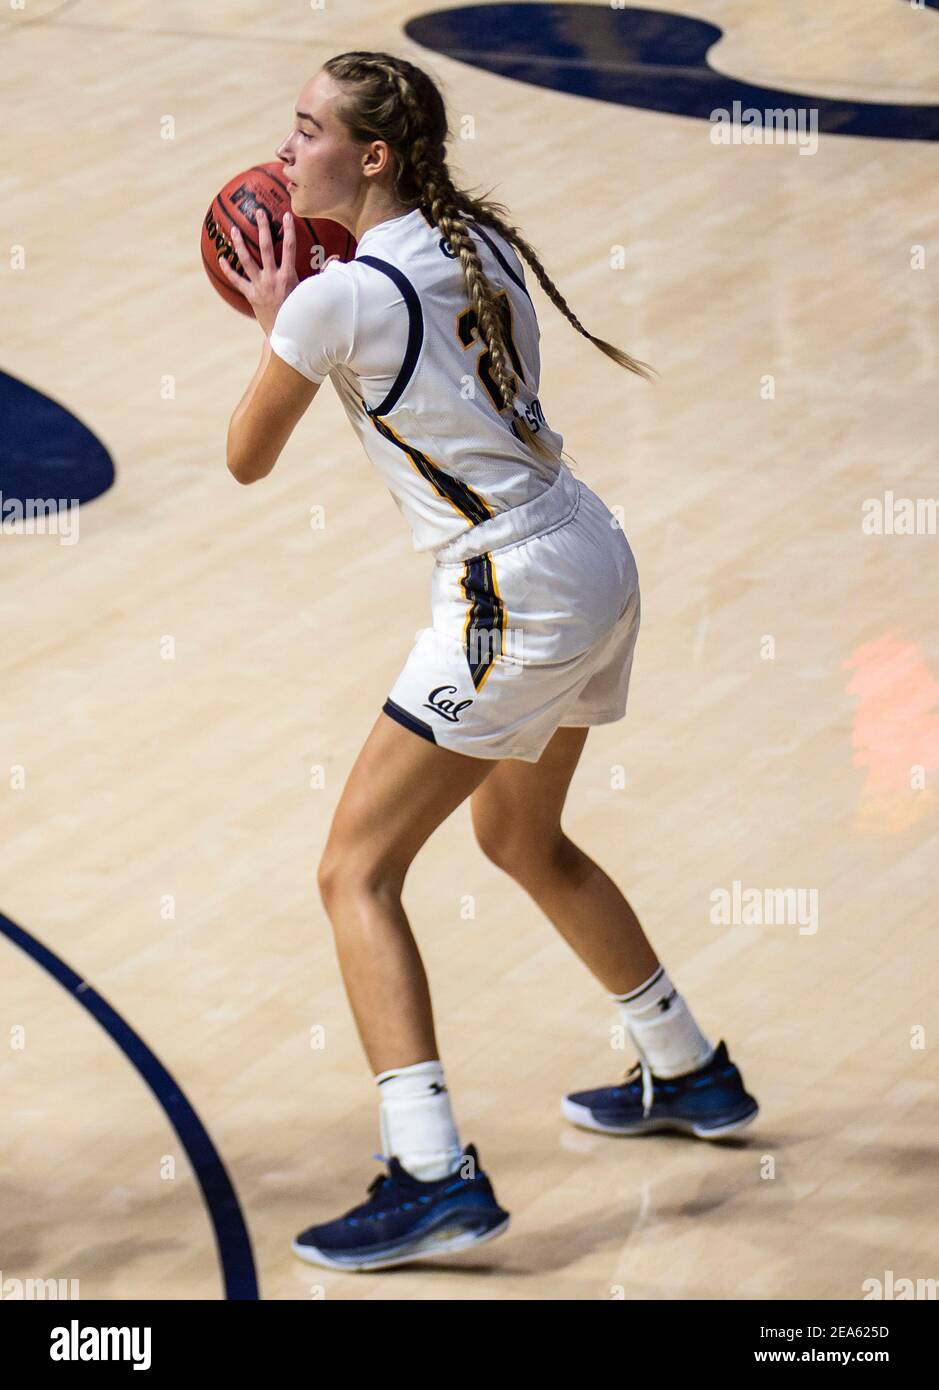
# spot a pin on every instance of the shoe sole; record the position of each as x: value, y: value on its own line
x: 435, y: 1244
x: 584, y: 1118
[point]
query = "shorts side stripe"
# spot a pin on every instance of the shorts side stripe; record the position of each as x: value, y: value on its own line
x: 485, y: 620
x: 410, y: 721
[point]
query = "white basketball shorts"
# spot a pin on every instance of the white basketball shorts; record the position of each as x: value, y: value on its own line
x: 535, y: 614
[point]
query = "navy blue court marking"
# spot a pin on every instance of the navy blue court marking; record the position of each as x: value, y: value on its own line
x: 641, y: 58
x: 45, y: 452
x: 231, y: 1233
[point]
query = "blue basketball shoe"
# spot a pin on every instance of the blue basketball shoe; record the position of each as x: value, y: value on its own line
x: 405, y: 1219
x: 710, y: 1102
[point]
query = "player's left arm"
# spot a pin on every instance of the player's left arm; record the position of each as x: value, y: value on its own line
x: 266, y: 416
x: 277, y: 394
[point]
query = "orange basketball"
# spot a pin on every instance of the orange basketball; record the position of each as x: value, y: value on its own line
x: 264, y: 186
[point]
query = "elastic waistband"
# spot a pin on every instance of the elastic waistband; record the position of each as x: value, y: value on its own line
x: 523, y: 523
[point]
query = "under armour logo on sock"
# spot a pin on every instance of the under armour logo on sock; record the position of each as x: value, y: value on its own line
x: 436, y: 1089
x: 664, y: 1003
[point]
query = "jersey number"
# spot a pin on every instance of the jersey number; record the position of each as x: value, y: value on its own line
x: 467, y: 330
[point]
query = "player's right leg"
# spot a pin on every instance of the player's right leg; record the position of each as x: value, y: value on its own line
x: 681, y: 1081
x: 435, y: 1198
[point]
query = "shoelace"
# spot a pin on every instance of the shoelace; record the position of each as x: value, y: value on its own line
x: 379, y: 1179
x: 642, y: 1068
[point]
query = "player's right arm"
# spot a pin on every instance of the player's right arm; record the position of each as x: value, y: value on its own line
x: 266, y: 417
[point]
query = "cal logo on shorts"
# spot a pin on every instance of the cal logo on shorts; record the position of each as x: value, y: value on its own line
x: 450, y: 709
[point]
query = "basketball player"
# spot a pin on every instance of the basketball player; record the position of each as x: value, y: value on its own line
x: 431, y: 340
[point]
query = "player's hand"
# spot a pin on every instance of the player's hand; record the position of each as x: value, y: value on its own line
x: 264, y: 286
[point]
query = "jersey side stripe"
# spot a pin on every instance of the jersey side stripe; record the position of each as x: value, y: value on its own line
x: 460, y: 495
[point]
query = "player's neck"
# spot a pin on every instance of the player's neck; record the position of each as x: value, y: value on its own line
x: 385, y: 211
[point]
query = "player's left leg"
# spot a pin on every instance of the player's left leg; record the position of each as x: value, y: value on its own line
x: 682, y: 1081
x: 517, y: 820
x: 435, y: 1198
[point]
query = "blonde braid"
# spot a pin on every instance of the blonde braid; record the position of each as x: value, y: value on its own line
x: 514, y: 236
x: 428, y: 161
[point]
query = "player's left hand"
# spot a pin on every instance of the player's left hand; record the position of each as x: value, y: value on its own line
x: 267, y: 285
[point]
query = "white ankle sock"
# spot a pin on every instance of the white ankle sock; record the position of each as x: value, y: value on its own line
x: 416, y: 1120
x: 662, y: 1027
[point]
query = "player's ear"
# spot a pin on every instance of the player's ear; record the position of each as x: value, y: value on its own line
x: 377, y: 158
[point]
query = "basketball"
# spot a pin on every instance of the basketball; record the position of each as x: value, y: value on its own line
x: 264, y: 186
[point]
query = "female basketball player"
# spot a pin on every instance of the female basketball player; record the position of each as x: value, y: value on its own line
x: 431, y: 340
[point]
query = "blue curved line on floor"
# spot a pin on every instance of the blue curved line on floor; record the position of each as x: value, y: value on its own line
x: 46, y: 451
x: 644, y: 58
x: 231, y: 1233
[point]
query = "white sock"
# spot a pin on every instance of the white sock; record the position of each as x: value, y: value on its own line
x: 662, y: 1027
x: 416, y: 1120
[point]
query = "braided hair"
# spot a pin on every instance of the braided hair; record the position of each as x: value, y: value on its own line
x: 387, y: 98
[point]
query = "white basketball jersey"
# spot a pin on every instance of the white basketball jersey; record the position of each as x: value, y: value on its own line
x: 395, y: 332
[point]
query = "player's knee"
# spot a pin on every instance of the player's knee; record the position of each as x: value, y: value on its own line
x: 518, y: 850
x: 327, y: 876
x: 357, y: 873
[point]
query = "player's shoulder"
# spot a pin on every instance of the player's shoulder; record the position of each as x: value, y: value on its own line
x: 332, y: 284
x: 323, y: 304
x: 349, y: 287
